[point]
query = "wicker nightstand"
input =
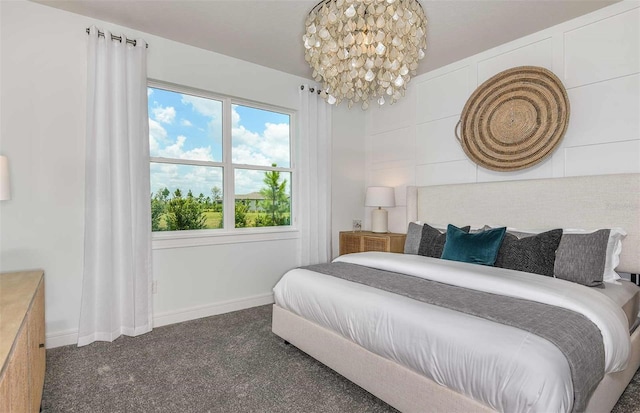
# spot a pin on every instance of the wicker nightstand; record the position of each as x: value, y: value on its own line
x: 370, y: 241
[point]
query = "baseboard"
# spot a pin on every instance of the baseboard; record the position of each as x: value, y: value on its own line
x: 193, y: 313
x: 68, y: 337
x: 61, y: 338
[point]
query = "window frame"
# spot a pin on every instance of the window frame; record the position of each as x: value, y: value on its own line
x: 229, y: 233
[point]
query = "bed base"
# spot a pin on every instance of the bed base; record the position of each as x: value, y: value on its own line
x: 405, y: 389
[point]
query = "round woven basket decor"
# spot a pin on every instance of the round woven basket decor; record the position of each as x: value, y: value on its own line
x: 515, y: 119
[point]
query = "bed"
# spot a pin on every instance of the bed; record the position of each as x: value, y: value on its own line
x: 432, y: 383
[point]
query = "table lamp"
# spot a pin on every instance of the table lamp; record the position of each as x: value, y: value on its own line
x: 380, y: 196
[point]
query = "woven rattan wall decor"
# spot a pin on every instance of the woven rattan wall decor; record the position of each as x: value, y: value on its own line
x: 515, y: 119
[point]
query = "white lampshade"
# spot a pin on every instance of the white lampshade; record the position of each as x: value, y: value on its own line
x: 5, y: 186
x: 380, y: 196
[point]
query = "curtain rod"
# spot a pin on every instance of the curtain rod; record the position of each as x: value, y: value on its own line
x: 118, y: 38
x: 311, y: 89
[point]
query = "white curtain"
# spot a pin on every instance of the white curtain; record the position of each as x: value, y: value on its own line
x: 315, y: 177
x: 116, y: 287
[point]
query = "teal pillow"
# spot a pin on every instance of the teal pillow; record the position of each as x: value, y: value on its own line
x: 476, y: 248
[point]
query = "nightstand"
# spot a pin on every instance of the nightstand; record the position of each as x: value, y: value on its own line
x: 361, y: 241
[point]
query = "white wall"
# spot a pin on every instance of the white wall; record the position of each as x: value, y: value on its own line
x: 42, y: 129
x: 597, y: 57
x: 348, y: 179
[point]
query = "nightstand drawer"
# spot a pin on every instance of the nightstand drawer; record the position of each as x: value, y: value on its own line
x: 375, y: 244
x: 362, y: 241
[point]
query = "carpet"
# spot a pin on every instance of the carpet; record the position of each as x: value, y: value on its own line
x: 226, y: 363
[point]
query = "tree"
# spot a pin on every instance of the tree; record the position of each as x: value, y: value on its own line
x: 165, y: 193
x: 216, y: 199
x: 184, y: 213
x: 158, y: 207
x: 276, y: 200
x: 241, y: 209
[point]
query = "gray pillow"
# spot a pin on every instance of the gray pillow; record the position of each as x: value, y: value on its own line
x: 581, y: 257
x: 412, y: 242
x: 432, y: 241
x: 534, y: 253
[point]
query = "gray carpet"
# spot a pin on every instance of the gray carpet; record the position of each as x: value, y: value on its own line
x: 227, y: 363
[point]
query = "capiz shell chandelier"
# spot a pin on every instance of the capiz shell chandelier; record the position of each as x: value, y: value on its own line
x: 365, y: 49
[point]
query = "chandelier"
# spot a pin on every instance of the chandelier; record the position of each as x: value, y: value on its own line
x: 364, y: 49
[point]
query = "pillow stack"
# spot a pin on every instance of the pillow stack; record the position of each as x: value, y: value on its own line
x: 580, y: 256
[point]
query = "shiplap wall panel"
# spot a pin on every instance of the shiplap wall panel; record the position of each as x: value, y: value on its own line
x: 442, y: 96
x: 402, y: 148
x: 398, y: 177
x: 397, y: 219
x: 596, y: 56
x: 608, y: 158
x: 602, y: 50
x: 434, y: 143
x: 456, y: 172
x: 542, y: 170
x: 389, y: 117
x: 604, y: 112
x: 535, y: 54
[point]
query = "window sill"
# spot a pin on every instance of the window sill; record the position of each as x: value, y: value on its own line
x: 185, y: 239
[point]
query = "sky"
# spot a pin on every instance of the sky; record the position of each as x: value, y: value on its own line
x: 184, y: 126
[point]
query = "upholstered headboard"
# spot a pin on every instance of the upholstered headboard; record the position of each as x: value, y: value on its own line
x: 588, y: 202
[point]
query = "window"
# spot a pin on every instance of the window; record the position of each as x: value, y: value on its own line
x: 204, y: 147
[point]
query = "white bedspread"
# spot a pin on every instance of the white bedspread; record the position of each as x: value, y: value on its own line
x: 508, y: 369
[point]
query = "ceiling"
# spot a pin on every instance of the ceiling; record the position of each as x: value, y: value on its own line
x: 269, y: 32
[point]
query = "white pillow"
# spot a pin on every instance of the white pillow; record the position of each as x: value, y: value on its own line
x: 443, y: 227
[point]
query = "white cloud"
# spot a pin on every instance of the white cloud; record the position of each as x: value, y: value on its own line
x: 185, y: 122
x: 245, y: 155
x: 206, y: 107
x: 235, y: 118
x: 202, y: 179
x: 164, y: 115
x: 157, y: 134
x: 198, y: 179
x: 211, y: 109
x: 272, y: 146
x: 247, y: 181
x: 149, y: 91
x: 177, y: 151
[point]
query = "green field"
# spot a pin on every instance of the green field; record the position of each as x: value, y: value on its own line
x: 213, y: 220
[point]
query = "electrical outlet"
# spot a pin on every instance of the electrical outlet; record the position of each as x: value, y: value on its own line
x: 357, y: 225
x: 154, y: 287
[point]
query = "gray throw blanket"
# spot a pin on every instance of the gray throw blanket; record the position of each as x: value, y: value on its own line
x: 575, y: 335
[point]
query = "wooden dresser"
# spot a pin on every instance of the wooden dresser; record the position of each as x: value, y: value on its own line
x: 361, y: 241
x: 22, y: 351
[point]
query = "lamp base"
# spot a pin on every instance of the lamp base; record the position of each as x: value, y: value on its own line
x: 379, y: 221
